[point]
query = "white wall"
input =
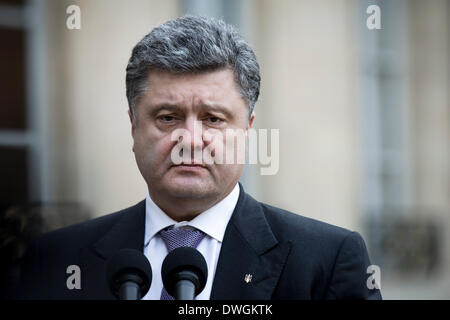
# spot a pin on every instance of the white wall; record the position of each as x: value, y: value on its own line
x: 92, y: 161
x: 308, y: 64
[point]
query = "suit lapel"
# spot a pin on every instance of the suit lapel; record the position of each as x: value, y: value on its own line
x: 251, y: 258
x: 127, y: 232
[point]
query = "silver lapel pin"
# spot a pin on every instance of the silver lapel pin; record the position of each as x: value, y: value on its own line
x: 248, y: 278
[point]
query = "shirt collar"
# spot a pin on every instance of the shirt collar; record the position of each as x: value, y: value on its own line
x: 213, y: 221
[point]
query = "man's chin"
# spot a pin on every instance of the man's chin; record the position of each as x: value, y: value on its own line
x: 186, y: 189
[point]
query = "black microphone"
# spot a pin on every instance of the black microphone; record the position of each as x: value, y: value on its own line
x: 184, y: 273
x: 129, y: 274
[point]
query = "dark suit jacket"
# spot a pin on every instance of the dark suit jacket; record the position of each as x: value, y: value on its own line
x: 288, y: 256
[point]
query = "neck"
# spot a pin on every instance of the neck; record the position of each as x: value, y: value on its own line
x: 183, y: 210
x: 186, y: 209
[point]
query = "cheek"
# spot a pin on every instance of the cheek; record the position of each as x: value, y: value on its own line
x: 152, y: 150
x: 225, y: 173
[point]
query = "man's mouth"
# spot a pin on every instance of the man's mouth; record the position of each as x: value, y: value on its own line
x: 190, y: 165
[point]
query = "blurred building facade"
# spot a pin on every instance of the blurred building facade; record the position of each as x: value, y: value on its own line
x: 364, y: 116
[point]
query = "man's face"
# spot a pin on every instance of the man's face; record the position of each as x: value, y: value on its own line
x: 196, y: 104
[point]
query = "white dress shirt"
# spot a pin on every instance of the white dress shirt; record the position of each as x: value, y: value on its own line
x: 212, y: 222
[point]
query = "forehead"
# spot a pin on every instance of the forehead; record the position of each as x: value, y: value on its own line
x: 209, y: 87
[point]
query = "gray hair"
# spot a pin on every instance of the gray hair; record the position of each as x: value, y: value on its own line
x: 193, y: 44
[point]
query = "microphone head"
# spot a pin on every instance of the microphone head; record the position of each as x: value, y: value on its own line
x: 184, y: 263
x: 128, y: 265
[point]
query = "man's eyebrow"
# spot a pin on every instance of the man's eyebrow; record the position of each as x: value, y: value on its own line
x: 218, y: 108
x: 164, y: 106
x: 174, y: 107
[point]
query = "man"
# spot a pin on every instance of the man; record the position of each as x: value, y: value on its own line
x: 188, y: 73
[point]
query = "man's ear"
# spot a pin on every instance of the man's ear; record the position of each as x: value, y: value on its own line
x: 250, y: 121
x: 132, y: 123
x: 132, y: 126
x: 249, y: 126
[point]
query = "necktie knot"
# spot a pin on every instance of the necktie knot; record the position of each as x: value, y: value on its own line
x: 181, y: 237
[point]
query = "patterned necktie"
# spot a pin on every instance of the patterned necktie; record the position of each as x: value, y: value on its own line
x: 178, y: 237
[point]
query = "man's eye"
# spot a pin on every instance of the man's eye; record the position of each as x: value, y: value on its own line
x: 167, y: 118
x: 214, y: 120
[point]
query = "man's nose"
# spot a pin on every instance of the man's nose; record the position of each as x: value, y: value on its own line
x: 195, y: 129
